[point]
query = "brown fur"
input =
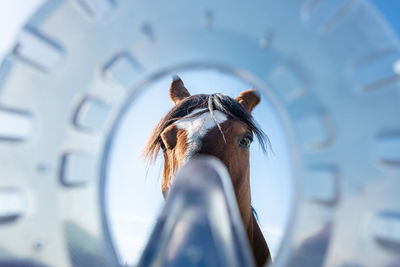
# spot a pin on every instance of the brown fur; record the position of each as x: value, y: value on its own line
x: 221, y: 142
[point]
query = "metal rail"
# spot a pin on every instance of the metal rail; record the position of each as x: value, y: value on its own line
x: 200, y: 224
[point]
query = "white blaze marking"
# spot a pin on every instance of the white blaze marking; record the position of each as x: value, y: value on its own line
x: 197, y: 127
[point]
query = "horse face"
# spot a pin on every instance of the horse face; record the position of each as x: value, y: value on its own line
x: 200, y: 134
x: 232, y: 149
x: 217, y: 134
x: 215, y: 125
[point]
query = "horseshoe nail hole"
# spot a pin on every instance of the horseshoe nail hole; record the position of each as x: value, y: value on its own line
x: 320, y: 185
x: 12, y: 204
x: 314, y: 131
x: 37, y: 246
x: 287, y: 81
x: 147, y: 29
x: 378, y: 71
x: 122, y: 69
x: 38, y: 50
x: 208, y: 19
x: 42, y: 168
x: 77, y: 169
x: 91, y: 114
x: 385, y: 229
x: 96, y: 9
x: 266, y: 41
x: 325, y: 14
x: 387, y: 149
x: 15, y: 125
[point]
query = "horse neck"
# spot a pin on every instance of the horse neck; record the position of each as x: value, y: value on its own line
x: 259, y: 245
x: 256, y: 239
x: 241, y: 186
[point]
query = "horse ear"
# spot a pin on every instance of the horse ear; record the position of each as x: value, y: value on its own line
x: 177, y: 90
x: 249, y: 99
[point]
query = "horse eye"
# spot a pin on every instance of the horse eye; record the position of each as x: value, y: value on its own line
x: 163, y: 147
x: 245, y: 141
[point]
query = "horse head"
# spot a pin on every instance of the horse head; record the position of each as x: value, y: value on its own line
x: 216, y: 125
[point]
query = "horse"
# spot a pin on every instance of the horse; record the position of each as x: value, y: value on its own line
x: 216, y: 125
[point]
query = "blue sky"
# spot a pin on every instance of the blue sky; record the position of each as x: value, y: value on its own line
x: 390, y: 9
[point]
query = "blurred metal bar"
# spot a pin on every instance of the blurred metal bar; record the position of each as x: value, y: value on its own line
x: 200, y: 224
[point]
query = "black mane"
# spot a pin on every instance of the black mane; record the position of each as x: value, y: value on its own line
x: 213, y: 102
